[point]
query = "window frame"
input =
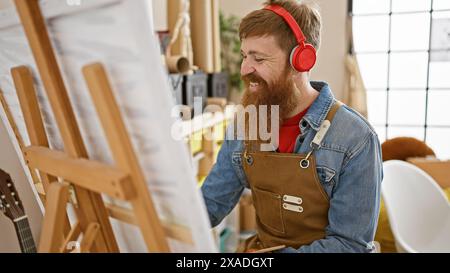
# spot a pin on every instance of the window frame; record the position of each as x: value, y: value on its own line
x: 388, y: 90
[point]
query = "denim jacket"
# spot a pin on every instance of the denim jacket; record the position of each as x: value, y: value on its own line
x: 349, y: 167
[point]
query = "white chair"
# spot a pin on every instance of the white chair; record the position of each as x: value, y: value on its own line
x: 417, y: 208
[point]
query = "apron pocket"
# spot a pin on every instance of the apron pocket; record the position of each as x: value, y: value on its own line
x: 268, y: 209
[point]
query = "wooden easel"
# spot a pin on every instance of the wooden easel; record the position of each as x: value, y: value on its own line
x: 89, y: 178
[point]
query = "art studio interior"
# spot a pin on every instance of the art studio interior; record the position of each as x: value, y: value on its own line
x: 225, y: 126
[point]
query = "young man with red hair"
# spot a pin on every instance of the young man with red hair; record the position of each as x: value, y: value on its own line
x: 318, y: 190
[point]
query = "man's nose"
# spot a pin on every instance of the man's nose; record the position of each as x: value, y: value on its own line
x: 246, y: 68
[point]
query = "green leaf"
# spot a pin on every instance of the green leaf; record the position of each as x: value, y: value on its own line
x: 231, y: 48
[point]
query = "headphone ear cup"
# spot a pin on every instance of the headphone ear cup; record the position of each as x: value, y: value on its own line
x: 294, y: 58
x: 303, y: 58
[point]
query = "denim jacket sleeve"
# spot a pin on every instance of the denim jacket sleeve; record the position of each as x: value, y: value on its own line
x: 222, y: 188
x: 354, y: 206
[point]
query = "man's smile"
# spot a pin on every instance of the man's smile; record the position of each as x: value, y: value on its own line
x: 253, y: 86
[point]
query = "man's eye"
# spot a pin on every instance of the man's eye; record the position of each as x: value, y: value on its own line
x: 259, y: 60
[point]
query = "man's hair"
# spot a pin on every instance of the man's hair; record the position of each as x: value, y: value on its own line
x: 265, y: 22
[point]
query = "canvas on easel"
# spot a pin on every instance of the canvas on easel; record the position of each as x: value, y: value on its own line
x: 117, y: 36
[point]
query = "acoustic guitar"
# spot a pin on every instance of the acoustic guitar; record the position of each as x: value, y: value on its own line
x: 12, y: 207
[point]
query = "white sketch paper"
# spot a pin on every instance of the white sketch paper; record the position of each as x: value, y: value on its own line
x: 117, y: 33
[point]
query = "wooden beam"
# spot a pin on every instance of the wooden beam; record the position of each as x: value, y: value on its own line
x: 91, y: 206
x: 26, y: 93
x: 71, y: 237
x: 171, y: 230
x: 89, y: 237
x: 121, y: 214
x: 55, y: 210
x: 88, y: 174
x: 124, y: 156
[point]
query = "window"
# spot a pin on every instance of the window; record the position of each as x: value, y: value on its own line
x: 403, y: 49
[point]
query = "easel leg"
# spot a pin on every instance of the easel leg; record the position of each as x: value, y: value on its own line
x: 55, y: 211
x: 72, y: 237
x: 91, y: 205
x: 23, y: 81
x: 124, y: 156
x: 89, y: 237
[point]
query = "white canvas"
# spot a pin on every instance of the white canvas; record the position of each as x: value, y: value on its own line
x: 119, y: 34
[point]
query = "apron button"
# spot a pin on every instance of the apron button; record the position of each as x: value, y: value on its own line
x: 249, y: 160
x: 304, y: 164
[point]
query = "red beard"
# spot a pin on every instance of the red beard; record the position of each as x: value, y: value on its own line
x: 281, y: 93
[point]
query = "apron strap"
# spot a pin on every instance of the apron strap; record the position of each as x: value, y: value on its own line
x: 316, y: 142
x: 336, y: 106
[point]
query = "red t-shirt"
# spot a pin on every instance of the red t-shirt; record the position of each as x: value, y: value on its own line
x: 289, y: 132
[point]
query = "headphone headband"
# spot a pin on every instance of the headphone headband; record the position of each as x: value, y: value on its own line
x: 302, y: 57
x: 289, y: 20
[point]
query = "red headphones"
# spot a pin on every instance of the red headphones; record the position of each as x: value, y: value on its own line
x: 303, y: 57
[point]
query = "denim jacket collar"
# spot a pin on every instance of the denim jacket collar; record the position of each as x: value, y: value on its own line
x: 321, y: 106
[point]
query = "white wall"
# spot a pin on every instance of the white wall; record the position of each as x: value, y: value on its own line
x: 330, y: 64
x: 9, y: 162
x: 5, y: 4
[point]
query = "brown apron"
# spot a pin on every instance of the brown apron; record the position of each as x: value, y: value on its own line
x: 290, y: 202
